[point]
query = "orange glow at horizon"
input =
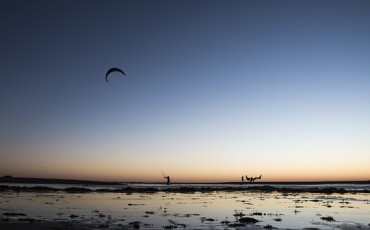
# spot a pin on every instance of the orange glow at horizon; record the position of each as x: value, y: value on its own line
x: 185, y: 167
x: 146, y: 173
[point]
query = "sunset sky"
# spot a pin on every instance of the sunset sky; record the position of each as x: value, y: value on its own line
x: 213, y: 90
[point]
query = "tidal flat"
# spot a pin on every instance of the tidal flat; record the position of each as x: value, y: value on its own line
x: 72, y: 208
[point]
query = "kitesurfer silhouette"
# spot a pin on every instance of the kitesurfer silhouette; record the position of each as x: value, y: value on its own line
x: 168, y: 179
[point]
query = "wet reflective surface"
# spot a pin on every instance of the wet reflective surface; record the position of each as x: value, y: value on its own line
x: 217, y: 210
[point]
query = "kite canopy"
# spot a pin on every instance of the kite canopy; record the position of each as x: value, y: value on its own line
x: 111, y: 70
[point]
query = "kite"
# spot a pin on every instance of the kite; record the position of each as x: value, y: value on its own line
x: 111, y: 70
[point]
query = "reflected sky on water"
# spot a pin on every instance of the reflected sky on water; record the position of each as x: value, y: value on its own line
x: 217, y: 210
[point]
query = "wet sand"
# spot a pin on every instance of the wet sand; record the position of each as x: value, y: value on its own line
x: 259, y: 207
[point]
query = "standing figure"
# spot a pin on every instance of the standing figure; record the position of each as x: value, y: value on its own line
x: 166, y: 177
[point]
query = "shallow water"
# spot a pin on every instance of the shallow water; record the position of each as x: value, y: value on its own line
x: 216, y: 210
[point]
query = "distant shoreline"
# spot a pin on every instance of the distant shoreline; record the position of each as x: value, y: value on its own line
x: 29, y: 180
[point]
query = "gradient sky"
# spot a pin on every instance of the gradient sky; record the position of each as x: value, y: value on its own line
x: 214, y: 90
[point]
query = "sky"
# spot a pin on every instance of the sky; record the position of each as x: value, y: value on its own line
x: 214, y: 90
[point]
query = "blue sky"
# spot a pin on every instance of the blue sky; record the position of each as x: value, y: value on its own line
x: 214, y: 89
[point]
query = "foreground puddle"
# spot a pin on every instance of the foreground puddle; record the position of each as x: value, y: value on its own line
x: 216, y: 210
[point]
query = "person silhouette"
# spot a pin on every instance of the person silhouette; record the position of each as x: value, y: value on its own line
x: 242, y: 178
x: 168, y: 179
x: 252, y: 179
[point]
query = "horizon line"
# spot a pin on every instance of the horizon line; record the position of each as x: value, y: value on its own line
x: 11, y: 179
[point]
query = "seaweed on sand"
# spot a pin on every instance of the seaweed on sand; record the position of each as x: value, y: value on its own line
x: 77, y: 190
x: 202, y: 219
x: 327, y: 218
x: 73, y: 216
x: 134, y: 204
x: 13, y: 214
x: 257, y: 214
x: 135, y: 224
x: 19, y: 189
x: 175, y: 224
x: 239, y: 214
x: 248, y: 220
x: 170, y: 227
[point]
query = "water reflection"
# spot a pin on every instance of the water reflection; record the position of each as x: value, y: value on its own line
x: 216, y: 210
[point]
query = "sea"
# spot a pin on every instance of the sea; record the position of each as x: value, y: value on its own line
x: 349, y: 186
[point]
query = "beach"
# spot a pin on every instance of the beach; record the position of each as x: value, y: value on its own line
x: 184, y: 206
